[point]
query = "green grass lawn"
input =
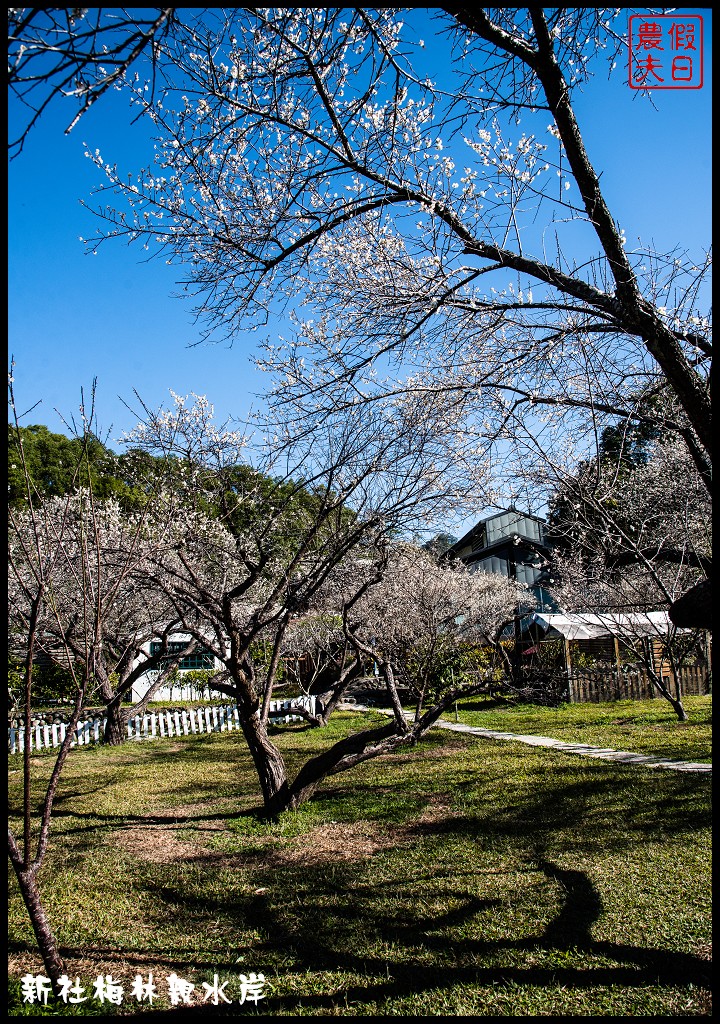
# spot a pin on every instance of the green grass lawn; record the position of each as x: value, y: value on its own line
x: 461, y: 877
x: 641, y: 726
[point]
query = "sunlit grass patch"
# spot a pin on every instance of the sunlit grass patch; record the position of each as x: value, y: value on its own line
x: 640, y: 726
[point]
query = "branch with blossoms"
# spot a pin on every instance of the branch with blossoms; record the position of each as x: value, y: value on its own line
x: 357, y: 165
x: 423, y: 246
x: 75, y: 53
x: 245, y: 566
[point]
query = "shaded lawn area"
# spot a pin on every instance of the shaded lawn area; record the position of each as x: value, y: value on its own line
x: 640, y: 726
x: 462, y: 877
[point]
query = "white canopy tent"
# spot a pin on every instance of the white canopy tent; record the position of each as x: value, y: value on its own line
x: 589, y: 626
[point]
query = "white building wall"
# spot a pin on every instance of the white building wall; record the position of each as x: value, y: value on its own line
x: 171, y: 691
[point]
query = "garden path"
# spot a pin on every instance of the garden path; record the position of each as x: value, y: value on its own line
x: 584, y: 749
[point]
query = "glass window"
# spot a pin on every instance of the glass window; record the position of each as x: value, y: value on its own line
x: 201, y: 658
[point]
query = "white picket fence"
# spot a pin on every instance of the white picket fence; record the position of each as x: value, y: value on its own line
x: 155, y: 725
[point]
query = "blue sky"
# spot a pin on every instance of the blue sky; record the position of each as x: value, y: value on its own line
x: 73, y: 317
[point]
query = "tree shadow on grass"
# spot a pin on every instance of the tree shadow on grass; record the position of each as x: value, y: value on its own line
x: 317, y: 941
x: 338, y: 916
x: 333, y: 917
x: 612, y: 806
x: 605, y: 807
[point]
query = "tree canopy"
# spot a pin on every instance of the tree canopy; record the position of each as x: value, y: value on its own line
x: 306, y: 157
x: 57, y: 464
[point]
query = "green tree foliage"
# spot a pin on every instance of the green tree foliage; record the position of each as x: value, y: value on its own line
x: 242, y: 497
x: 52, y: 684
x: 460, y: 663
x: 246, y: 500
x: 56, y: 464
x: 628, y: 445
x: 439, y: 544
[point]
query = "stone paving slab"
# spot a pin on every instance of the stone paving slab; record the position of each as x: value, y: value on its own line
x: 584, y: 749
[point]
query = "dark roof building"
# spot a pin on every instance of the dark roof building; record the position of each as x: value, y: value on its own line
x: 512, y: 544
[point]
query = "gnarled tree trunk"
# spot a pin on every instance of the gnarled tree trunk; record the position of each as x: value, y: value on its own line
x: 115, y: 731
x: 269, y: 763
x: 46, y: 941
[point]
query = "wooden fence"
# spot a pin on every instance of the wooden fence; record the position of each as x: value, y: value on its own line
x: 155, y: 725
x: 634, y: 684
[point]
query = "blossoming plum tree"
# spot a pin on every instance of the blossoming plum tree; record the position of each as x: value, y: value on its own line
x: 307, y: 161
x: 429, y: 234
x: 272, y: 556
x: 76, y: 53
x: 127, y: 612
x: 47, y: 545
x: 630, y: 536
x: 419, y: 620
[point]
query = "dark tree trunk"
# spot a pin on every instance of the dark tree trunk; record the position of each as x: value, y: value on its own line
x: 269, y: 764
x: 675, y: 702
x: 679, y: 709
x: 279, y: 795
x: 389, y: 677
x: 364, y: 746
x: 343, y: 755
x: 330, y: 700
x: 116, y: 725
x: 272, y: 669
x: 43, y: 933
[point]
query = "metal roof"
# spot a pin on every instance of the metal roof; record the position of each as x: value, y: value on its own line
x: 589, y: 625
